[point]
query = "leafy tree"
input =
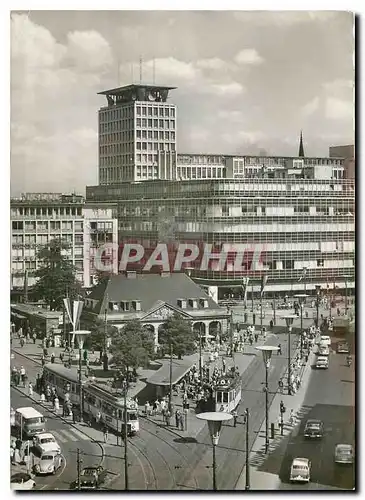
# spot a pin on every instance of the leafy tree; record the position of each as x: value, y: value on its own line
x: 102, y: 277
x: 97, y: 338
x: 133, y: 346
x: 57, y: 276
x: 177, y: 332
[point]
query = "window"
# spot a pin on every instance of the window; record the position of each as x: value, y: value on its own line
x: 172, y: 123
x: 144, y: 111
x: 161, y: 112
x: 161, y: 146
x: 149, y: 112
x: 155, y: 111
x: 167, y: 111
x: 138, y: 122
x: 144, y: 122
x: 144, y: 146
x: 155, y: 123
x: 149, y: 122
x: 138, y: 145
x: 172, y: 135
x: 149, y: 134
x: 149, y: 158
x: 167, y: 136
x: 138, y: 110
x: 138, y: 157
x: 167, y: 124
x: 17, y: 225
x: 172, y: 112
x: 161, y: 123
x: 155, y: 134
x: 149, y: 146
x: 138, y: 134
x: 144, y: 134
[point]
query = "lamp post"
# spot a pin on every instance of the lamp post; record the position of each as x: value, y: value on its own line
x: 289, y: 319
x: 301, y: 299
x: 200, y: 353
x: 274, y: 309
x: 252, y: 297
x: 126, y: 478
x: 80, y: 337
x: 267, y: 351
x: 170, y: 395
x: 247, y: 485
x: 318, y: 298
x: 215, y: 420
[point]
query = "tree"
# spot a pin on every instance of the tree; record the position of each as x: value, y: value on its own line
x: 177, y: 332
x: 57, y: 276
x: 133, y: 346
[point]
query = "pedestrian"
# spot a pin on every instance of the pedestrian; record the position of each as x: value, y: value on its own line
x: 167, y: 417
x: 279, y: 349
x: 281, y: 386
x: 235, y: 417
x: 254, y: 318
x: 61, y: 357
x: 297, y: 381
x: 34, y: 337
x: 98, y: 418
x: 53, y: 357
x: 106, y: 434
x: 177, y: 418
x: 256, y: 337
x: 291, y: 417
x: 306, y: 357
x: 30, y: 389
x: 147, y: 408
x: 22, y: 375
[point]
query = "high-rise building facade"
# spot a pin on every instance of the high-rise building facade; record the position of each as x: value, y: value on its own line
x: 137, y: 134
x: 293, y: 223
x: 37, y: 218
x: 348, y: 154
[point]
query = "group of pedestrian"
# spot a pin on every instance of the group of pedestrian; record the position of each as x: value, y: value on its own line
x: 19, y: 376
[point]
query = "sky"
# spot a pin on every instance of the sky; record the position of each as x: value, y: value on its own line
x: 247, y: 83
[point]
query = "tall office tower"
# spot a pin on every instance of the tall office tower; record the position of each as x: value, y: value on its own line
x: 137, y: 134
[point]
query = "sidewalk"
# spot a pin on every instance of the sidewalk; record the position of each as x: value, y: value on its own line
x: 260, y: 480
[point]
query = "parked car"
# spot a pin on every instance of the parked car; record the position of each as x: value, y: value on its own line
x: 300, y: 470
x: 45, y: 442
x: 323, y: 350
x: 322, y: 362
x: 344, y: 454
x: 343, y: 347
x: 49, y: 463
x: 21, y: 481
x: 313, y: 429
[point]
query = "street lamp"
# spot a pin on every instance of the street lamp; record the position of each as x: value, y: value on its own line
x: 215, y: 420
x: 80, y: 337
x: 267, y: 351
x: 301, y: 299
x: 318, y: 299
x: 289, y: 319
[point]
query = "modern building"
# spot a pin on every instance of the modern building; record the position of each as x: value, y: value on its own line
x: 37, y: 218
x: 152, y: 298
x: 282, y: 225
x: 137, y: 134
x: 348, y: 154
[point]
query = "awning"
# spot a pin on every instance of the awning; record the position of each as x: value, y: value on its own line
x: 162, y: 376
x: 18, y: 316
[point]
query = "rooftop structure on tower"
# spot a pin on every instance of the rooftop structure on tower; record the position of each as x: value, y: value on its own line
x: 301, y: 147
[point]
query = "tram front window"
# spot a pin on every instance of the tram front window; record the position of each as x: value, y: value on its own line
x: 132, y: 416
x: 225, y: 397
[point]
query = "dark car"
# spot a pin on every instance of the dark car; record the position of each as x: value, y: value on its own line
x: 313, y: 429
x: 92, y: 477
x: 343, y: 347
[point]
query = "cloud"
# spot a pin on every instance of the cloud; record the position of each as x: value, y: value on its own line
x: 248, y: 56
x: 311, y: 106
x: 232, y: 116
x: 336, y: 109
x: 231, y: 89
x: 88, y: 51
x: 213, y: 63
x: 284, y: 18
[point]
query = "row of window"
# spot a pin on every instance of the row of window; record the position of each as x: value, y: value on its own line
x: 19, y: 266
x: 155, y: 146
x: 123, y: 112
x: 44, y: 212
x: 45, y: 226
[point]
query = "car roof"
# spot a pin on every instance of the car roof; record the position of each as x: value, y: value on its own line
x: 322, y: 358
x: 300, y: 461
x: 45, y: 435
x: 29, y: 412
x: 344, y: 446
x: 313, y: 421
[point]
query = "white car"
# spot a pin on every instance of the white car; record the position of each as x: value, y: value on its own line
x: 344, y: 454
x: 322, y: 362
x: 46, y: 443
x: 21, y: 481
x: 49, y: 463
x: 324, y: 340
x: 300, y: 470
x: 323, y: 350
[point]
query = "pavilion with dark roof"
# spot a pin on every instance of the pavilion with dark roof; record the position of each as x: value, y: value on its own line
x: 152, y: 298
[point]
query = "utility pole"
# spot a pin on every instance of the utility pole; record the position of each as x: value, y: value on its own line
x: 200, y: 354
x: 247, y: 486
x: 78, y: 462
x: 274, y: 309
x: 289, y: 361
x: 105, y: 356
x: 170, y: 395
x: 252, y: 297
x: 231, y: 331
x: 317, y: 307
x: 126, y: 483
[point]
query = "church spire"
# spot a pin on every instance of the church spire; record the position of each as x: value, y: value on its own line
x: 301, y: 148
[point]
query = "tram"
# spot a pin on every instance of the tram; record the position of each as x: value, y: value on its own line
x: 97, y: 398
x: 227, y: 392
